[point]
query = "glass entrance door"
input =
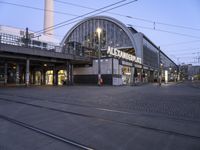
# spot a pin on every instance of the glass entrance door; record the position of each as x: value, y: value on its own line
x: 49, y: 77
x: 126, y: 75
x: 62, y: 77
x: 38, y: 78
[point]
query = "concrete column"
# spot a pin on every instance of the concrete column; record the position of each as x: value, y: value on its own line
x: 55, y: 76
x: 132, y: 82
x: 27, y: 72
x: 33, y: 76
x: 142, y: 74
x: 152, y: 76
x: 71, y: 74
x: 5, y: 73
x: 112, y: 70
x: 43, y: 73
x: 17, y: 74
x: 70, y: 77
x: 68, y: 73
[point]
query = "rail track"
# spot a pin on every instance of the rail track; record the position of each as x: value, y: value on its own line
x: 46, y: 133
x: 97, y: 118
x: 143, y: 113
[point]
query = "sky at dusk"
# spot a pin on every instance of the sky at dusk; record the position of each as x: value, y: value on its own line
x: 174, y: 25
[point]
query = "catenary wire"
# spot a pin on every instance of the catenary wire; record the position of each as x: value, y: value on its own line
x: 20, y: 5
x: 80, y: 16
x: 141, y: 19
x: 183, y: 54
x: 179, y: 43
x: 36, y: 8
x: 59, y: 25
x: 113, y: 13
x: 171, y: 32
x: 185, y: 49
x: 130, y: 17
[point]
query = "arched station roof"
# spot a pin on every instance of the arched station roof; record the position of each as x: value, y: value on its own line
x: 83, y: 34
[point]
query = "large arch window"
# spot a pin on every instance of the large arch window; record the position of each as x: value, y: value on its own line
x: 83, y: 39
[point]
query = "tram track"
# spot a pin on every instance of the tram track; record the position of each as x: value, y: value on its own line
x: 162, y: 115
x: 103, y: 119
x: 46, y: 133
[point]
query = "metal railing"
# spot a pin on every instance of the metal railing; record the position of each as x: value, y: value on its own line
x: 32, y: 43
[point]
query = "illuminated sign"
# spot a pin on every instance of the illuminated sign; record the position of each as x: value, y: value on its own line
x: 121, y: 54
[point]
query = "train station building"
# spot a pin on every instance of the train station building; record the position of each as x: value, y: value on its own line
x: 126, y: 56
x: 96, y: 47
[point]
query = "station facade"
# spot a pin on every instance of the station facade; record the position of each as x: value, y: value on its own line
x: 33, y: 61
x: 119, y: 53
x: 126, y: 56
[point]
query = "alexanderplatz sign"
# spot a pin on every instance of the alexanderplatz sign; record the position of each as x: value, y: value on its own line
x: 115, y: 52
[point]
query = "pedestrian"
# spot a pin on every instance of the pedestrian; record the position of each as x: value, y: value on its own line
x: 160, y: 80
x: 101, y: 81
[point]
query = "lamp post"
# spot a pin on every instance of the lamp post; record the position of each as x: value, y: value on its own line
x: 176, y: 76
x: 99, y: 52
x: 160, y: 81
x: 159, y: 67
x: 170, y: 73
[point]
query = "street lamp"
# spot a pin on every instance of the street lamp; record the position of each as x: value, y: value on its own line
x: 170, y: 73
x: 160, y: 80
x: 176, y: 76
x: 99, y: 30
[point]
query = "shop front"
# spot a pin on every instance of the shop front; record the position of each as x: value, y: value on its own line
x: 126, y: 75
x: 126, y: 72
x: 120, y: 55
x: 62, y: 77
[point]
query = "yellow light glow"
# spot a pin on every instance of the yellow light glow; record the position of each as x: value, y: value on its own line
x: 99, y: 30
x: 166, y: 76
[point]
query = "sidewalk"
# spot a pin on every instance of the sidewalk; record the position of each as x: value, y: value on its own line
x: 196, y: 84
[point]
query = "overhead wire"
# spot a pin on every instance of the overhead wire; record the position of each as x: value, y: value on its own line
x: 179, y: 43
x: 171, y: 32
x: 141, y: 19
x: 36, y: 8
x: 130, y: 17
x: 80, y: 16
x: 185, y: 49
x: 91, y: 8
x: 145, y: 20
x: 67, y: 22
x: 189, y: 53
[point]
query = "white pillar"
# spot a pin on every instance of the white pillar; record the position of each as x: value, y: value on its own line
x: 48, y: 17
x: 5, y: 73
x: 27, y: 72
x: 132, y: 81
x: 72, y: 74
x: 55, y: 76
x: 17, y: 74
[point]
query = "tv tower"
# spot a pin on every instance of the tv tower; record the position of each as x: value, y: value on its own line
x: 48, y: 17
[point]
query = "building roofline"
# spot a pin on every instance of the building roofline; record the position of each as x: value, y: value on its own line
x: 129, y: 27
x: 120, y: 24
x: 158, y: 48
x: 168, y: 57
x: 111, y: 19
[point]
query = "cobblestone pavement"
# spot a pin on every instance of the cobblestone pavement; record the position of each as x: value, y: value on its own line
x: 122, y: 117
x: 196, y: 84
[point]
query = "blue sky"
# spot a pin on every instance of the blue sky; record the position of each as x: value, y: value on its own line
x: 183, y: 46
